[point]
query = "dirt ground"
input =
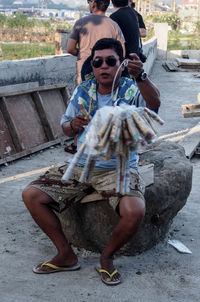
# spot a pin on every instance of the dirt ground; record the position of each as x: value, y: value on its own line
x: 159, y: 275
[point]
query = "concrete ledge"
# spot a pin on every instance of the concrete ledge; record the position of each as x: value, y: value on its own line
x: 150, y: 50
x: 51, y: 70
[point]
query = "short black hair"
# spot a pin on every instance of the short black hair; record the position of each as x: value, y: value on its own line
x: 108, y: 43
x: 133, y: 4
x: 102, y: 5
x: 120, y: 3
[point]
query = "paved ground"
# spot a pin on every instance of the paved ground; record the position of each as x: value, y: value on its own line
x: 158, y: 275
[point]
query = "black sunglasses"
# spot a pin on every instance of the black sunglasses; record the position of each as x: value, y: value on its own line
x: 88, y: 1
x: 110, y: 61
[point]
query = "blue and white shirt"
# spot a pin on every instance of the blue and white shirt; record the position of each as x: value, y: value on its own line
x: 126, y: 92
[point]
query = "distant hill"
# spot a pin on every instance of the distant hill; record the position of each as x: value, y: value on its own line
x: 30, y: 3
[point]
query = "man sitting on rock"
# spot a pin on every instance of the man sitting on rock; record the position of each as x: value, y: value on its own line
x: 48, y: 193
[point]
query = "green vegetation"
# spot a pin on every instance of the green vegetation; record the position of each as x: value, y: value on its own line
x: 177, y: 40
x: 171, y: 18
x: 25, y: 51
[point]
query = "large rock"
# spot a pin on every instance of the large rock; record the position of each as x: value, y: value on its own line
x: 90, y: 225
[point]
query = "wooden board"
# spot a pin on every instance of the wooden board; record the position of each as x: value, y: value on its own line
x: 190, y: 110
x: 198, y: 98
x: 191, y: 141
x: 30, y: 119
x: 4, y: 90
x: 190, y: 63
x: 170, y: 66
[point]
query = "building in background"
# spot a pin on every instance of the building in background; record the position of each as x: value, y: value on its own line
x: 145, y: 7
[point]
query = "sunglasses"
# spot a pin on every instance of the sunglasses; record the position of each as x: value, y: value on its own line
x: 110, y: 61
x: 88, y: 1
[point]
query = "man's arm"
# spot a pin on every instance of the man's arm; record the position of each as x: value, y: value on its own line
x: 76, y: 124
x: 148, y: 90
x: 143, y: 32
x: 142, y: 27
x: 72, y: 47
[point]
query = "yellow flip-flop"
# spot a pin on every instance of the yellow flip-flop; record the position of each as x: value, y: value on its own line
x: 100, y: 271
x: 54, y: 268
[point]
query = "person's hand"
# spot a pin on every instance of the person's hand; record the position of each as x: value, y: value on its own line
x: 78, y: 122
x: 135, y: 66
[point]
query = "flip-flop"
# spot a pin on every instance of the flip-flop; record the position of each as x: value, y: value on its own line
x: 54, y: 268
x: 72, y: 148
x: 100, y: 271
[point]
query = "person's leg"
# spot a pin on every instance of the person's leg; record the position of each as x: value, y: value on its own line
x: 37, y: 203
x: 132, y: 211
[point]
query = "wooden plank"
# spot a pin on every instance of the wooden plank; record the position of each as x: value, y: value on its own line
x: 65, y: 95
x: 191, y: 141
x: 4, y: 90
x: 33, y: 150
x: 11, y: 125
x: 30, y: 119
x: 26, y: 121
x: 6, y: 146
x: 43, y: 115
x: 198, y: 98
x: 171, y: 66
x: 54, y: 107
x: 26, y: 91
x: 188, y: 62
x: 190, y: 110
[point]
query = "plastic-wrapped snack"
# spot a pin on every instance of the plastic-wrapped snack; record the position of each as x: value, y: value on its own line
x: 77, y: 156
x: 110, y: 149
x: 122, y: 176
x: 146, y: 131
x: 150, y: 122
x: 90, y: 161
x: 116, y: 129
x: 118, y: 167
x: 105, y: 125
x: 127, y: 177
x: 132, y: 129
x: 126, y: 135
x: 105, y: 138
x: 154, y: 115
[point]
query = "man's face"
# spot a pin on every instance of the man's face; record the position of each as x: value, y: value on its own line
x: 90, y: 3
x: 105, y: 72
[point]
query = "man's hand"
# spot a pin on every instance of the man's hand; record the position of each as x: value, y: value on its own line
x: 135, y: 66
x: 78, y: 122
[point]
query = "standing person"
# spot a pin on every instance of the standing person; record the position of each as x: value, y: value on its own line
x: 89, y: 29
x: 127, y: 21
x: 47, y: 194
x: 86, y: 31
x: 142, y: 27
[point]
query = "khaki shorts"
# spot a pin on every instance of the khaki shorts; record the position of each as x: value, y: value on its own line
x: 103, y: 182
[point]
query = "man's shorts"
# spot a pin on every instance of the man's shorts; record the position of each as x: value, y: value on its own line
x: 103, y: 182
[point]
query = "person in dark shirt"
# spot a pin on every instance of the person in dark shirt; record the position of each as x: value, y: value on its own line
x: 125, y: 17
x: 142, y: 27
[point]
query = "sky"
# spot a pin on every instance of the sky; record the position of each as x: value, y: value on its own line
x: 70, y: 3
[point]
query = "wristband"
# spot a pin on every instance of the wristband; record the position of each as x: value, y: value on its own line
x: 72, y: 126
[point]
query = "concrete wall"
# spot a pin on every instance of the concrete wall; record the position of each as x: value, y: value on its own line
x: 150, y: 50
x: 192, y: 54
x: 60, y: 69
x: 46, y: 71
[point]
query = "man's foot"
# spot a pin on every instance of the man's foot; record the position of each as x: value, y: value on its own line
x: 72, y: 148
x: 57, y: 264
x: 109, y: 275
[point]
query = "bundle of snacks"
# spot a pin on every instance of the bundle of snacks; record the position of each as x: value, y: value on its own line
x: 115, y: 130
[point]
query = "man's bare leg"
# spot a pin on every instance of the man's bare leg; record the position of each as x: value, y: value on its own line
x: 37, y: 203
x: 132, y: 211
